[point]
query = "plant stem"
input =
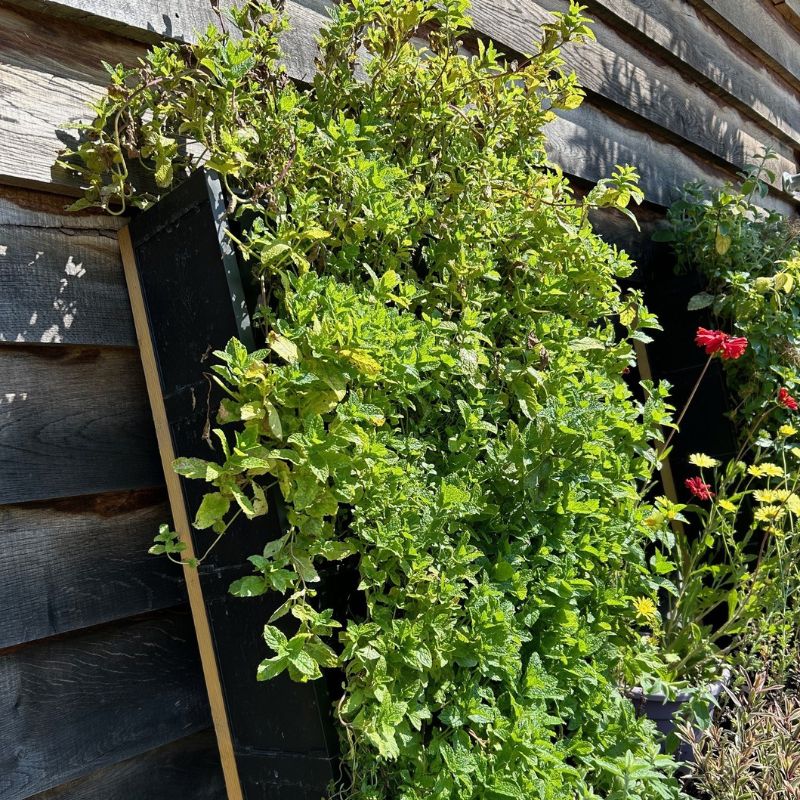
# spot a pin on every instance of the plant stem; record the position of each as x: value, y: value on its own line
x: 685, y: 407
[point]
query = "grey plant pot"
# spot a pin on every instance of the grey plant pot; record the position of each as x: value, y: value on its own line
x: 663, y: 711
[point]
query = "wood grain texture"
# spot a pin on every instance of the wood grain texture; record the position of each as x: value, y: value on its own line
x: 696, y: 47
x: 73, y: 421
x: 758, y: 25
x: 631, y: 78
x: 71, y: 706
x: 47, y: 82
x: 590, y: 141
x: 184, y: 770
x: 627, y: 78
x: 77, y: 563
x: 50, y: 69
x: 152, y: 20
x: 61, y: 278
x: 789, y: 10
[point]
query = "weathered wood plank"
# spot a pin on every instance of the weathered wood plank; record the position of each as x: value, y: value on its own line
x: 151, y: 20
x: 733, y: 136
x: 758, y: 25
x: 47, y: 82
x: 186, y: 769
x: 72, y: 564
x: 69, y: 706
x: 61, y: 280
x: 630, y: 77
x: 590, y: 141
x: 50, y: 69
x: 789, y: 10
x: 73, y: 422
x: 697, y: 48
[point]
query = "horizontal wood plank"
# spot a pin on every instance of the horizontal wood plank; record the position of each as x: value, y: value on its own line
x: 47, y: 82
x: 757, y: 24
x: 152, y: 20
x: 73, y: 421
x: 630, y: 77
x: 71, y: 706
x: 789, y: 10
x: 61, y: 279
x: 734, y: 138
x: 185, y: 770
x: 695, y: 46
x: 590, y: 141
x: 50, y: 69
x: 77, y: 563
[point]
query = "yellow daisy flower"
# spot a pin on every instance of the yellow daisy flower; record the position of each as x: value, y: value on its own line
x: 793, y: 503
x: 769, y: 513
x: 645, y: 609
x: 771, y: 495
x: 765, y: 470
x: 787, y: 430
x: 702, y: 460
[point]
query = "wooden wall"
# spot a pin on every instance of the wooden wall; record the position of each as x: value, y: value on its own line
x: 101, y: 695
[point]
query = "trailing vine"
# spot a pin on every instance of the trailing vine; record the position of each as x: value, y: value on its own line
x: 441, y: 396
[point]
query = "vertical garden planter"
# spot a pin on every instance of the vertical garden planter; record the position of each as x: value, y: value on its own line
x: 276, y: 739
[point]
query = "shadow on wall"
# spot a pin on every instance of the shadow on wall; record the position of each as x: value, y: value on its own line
x: 62, y: 286
x: 591, y: 140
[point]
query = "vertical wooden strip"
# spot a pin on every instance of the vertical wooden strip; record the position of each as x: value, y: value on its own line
x: 667, y: 479
x: 181, y: 520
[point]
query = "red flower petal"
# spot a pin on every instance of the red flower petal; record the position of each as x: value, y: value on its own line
x: 712, y: 341
x: 786, y: 400
x: 699, y: 488
x: 734, y: 346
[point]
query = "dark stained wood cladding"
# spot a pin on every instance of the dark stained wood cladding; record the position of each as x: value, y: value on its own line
x: 98, y: 702
x: 71, y: 705
x: 758, y: 26
x: 184, y: 770
x: 61, y: 279
x: 73, y: 421
x: 76, y: 563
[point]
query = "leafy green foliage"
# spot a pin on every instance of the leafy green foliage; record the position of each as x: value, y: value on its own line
x: 750, y: 258
x: 440, y: 399
x: 736, y: 559
x: 732, y: 560
x: 752, y: 751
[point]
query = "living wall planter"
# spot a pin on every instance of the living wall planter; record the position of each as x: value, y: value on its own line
x: 276, y: 739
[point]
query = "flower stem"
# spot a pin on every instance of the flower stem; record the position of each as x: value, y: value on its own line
x: 685, y: 407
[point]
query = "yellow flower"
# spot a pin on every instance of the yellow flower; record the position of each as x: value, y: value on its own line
x: 702, y: 460
x: 795, y: 451
x: 769, y: 513
x: 771, y: 495
x: 787, y: 430
x: 727, y: 505
x: 793, y: 503
x: 645, y: 609
x: 765, y: 470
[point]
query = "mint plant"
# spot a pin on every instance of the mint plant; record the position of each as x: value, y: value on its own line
x: 440, y: 398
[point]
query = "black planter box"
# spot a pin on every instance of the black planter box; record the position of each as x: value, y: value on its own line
x: 277, y: 740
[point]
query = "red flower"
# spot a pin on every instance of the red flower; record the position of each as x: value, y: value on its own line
x: 786, y: 400
x: 711, y: 340
x: 734, y: 346
x: 720, y: 342
x: 699, y: 488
